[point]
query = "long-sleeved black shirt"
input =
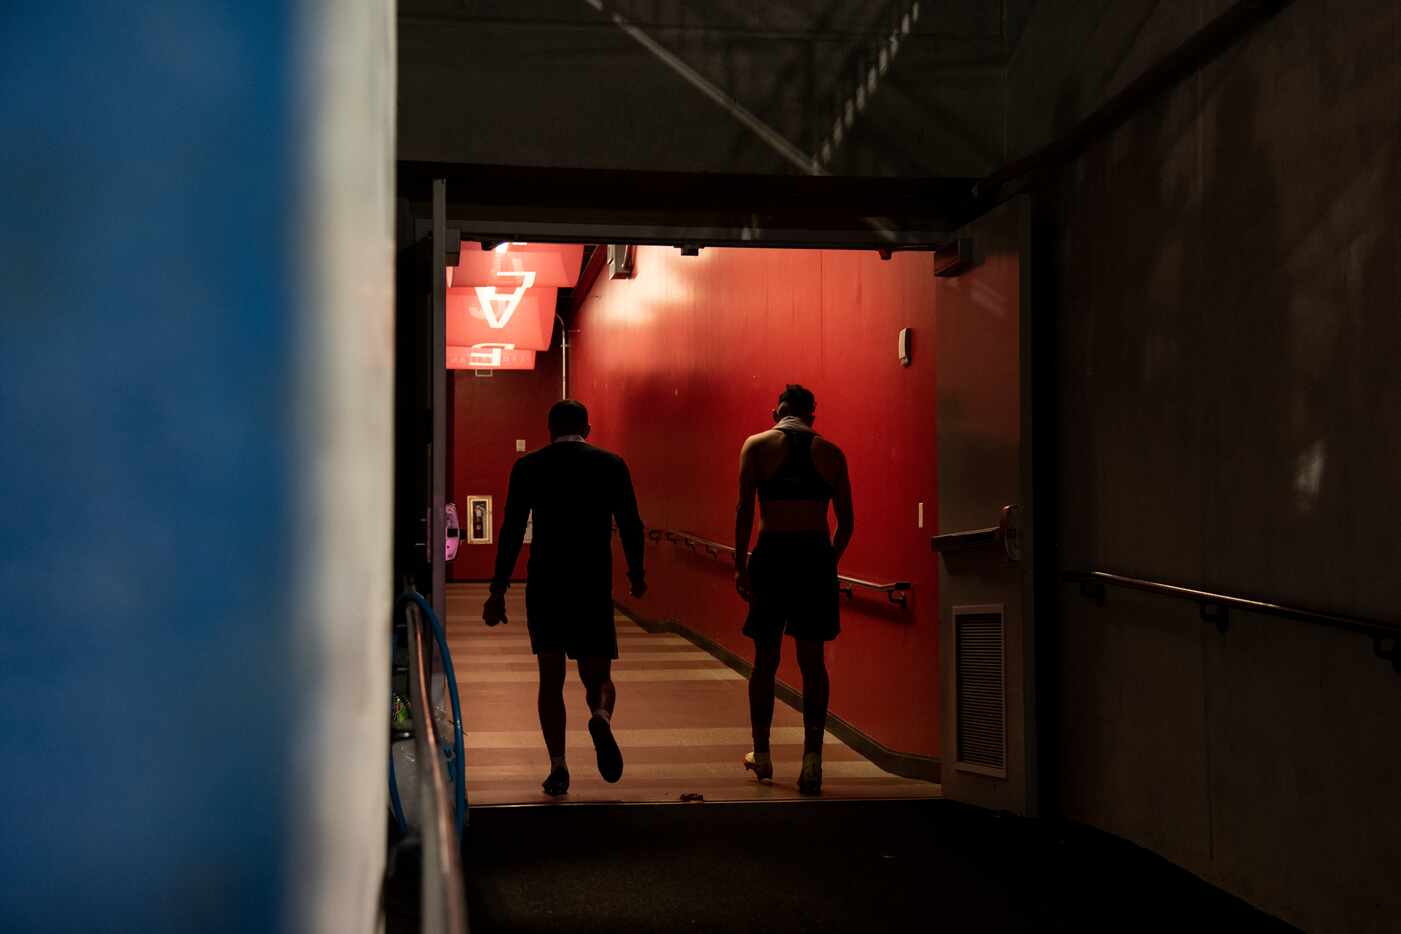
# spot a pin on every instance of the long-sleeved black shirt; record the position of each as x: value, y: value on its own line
x: 575, y: 491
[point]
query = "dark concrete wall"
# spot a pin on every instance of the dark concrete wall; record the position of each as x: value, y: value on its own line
x: 1225, y: 286
x: 559, y: 83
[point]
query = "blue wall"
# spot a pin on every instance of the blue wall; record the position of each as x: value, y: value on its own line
x: 147, y: 173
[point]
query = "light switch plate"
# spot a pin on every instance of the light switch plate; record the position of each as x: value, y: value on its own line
x: 520, y: 444
x: 921, y: 515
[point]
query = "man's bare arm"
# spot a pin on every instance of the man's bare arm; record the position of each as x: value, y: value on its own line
x: 508, y: 545
x: 512, y: 534
x: 841, y: 505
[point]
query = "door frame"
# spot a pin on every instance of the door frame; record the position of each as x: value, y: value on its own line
x: 884, y: 215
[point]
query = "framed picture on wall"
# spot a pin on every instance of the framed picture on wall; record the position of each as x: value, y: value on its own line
x: 479, y: 520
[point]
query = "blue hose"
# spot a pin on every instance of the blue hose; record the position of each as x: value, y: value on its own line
x: 395, y: 804
x: 457, y: 767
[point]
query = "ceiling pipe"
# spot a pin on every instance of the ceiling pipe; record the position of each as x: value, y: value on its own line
x: 563, y: 359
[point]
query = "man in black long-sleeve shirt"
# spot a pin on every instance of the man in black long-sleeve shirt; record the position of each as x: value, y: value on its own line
x: 575, y: 491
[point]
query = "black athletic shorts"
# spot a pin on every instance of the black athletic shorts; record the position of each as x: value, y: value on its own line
x: 793, y: 587
x: 571, y: 620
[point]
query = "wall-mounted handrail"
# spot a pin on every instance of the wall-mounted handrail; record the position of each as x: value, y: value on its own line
x: 895, y: 591
x: 443, y: 905
x: 1215, y: 606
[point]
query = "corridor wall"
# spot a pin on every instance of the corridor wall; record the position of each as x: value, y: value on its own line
x: 488, y: 415
x: 1224, y: 286
x: 680, y: 364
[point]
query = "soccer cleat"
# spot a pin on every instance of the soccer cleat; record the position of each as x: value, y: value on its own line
x: 763, y: 771
x: 810, y: 779
x: 557, y: 785
x: 610, y: 757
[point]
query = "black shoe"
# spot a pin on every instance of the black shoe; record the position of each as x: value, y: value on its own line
x: 610, y: 757
x: 557, y: 785
x: 810, y: 779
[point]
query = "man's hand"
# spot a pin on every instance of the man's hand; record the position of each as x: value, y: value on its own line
x: 494, y: 610
x: 637, y: 587
x: 742, y: 583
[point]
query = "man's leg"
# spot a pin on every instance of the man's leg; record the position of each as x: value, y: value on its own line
x: 550, y: 704
x: 596, y: 673
x: 813, y: 664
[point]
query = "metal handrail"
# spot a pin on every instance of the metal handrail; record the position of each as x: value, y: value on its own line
x: 895, y: 591
x: 443, y: 901
x: 1214, y: 608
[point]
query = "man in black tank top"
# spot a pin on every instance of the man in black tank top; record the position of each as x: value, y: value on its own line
x: 790, y: 581
x: 576, y: 492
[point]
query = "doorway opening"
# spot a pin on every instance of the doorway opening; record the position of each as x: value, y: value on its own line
x: 679, y: 345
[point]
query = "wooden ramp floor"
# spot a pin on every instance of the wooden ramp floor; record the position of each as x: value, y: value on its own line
x: 682, y: 720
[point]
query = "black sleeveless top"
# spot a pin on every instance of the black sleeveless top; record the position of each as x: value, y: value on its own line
x: 797, y: 477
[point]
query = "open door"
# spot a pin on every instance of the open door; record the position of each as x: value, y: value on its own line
x: 444, y: 245
x: 426, y: 247
x: 985, y: 607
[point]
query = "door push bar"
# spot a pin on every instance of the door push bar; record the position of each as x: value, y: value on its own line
x: 1005, y: 535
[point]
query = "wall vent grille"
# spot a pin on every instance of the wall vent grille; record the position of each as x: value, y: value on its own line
x: 980, y: 684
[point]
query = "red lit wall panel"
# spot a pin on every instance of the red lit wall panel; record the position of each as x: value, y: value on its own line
x: 681, y: 363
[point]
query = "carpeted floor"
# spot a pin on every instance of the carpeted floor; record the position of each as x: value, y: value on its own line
x: 821, y: 866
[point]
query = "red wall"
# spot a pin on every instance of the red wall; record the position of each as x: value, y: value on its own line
x: 680, y: 364
x: 488, y: 414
